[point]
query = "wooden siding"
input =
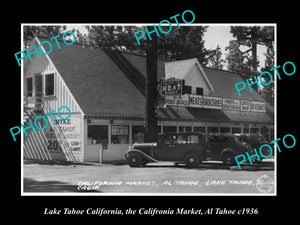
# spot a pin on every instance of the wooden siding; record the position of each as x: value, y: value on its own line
x: 36, y: 145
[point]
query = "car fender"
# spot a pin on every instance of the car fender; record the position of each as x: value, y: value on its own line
x: 144, y: 155
x: 226, y: 150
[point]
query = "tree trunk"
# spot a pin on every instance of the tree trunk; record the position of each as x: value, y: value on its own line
x: 151, y: 92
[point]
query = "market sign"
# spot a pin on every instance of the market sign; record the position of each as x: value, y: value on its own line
x: 172, y: 87
x: 195, y: 101
x: 231, y: 104
x: 177, y: 100
x: 258, y: 107
x: 212, y: 102
x: 245, y: 105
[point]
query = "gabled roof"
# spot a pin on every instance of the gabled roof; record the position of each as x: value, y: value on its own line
x: 96, y: 82
x: 179, y: 69
x: 105, y: 83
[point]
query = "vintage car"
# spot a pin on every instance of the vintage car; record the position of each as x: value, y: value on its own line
x: 255, y: 141
x: 191, y: 148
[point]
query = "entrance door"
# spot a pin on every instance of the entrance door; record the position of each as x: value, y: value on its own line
x: 38, y: 84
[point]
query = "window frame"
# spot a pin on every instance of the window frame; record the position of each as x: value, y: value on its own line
x: 45, y: 84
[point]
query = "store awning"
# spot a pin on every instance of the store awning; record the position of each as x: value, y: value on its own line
x: 248, y: 117
x: 211, y: 115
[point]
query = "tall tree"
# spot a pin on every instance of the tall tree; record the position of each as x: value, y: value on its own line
x: 251, y: 36
x: 29, y: 32
x: 216, y: 61
x: 237, y: 61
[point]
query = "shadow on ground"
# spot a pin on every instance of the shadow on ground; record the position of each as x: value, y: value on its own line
x: 265, y: 165
x: 31, y: 185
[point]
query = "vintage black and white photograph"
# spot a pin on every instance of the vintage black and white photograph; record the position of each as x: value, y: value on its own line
x: 149, y: 109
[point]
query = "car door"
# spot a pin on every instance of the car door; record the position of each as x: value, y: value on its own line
x: 164, y: 151
x: 215, y: 146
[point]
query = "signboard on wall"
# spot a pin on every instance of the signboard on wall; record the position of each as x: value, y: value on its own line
x: 119, y: 130
x: 195, y: 101
x: 245, y: 105
x: 231, y: 104
x: 70, y: 130
x: 212, y: 102
x: 172, y: 87
x: 258, y: 107
x: 177, y: 100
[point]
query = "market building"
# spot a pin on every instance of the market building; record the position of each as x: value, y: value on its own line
x: 105, y: 91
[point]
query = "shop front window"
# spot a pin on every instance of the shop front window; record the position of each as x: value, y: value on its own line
x: 119, y: 134
x: 224, y: 129
x: 97, y: 134
x: 138, y: 133
x: 199, y: 129
x: 212, y: 129
x: 184, y: 129
x: 169, y: 129
x: 236, y: 130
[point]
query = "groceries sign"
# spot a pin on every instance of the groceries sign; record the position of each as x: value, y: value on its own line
x: 211, y: 102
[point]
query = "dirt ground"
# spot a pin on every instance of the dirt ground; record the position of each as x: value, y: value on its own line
x: 158, y: 178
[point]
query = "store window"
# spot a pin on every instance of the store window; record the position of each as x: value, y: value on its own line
x: 184, y: 129
x: 119, y: 134
x: 29, y: 86
x: 254, y: 130
x: 49, y: 84
x: 97, y: 134
x: 212, y: 129
x: 236, y: 130
x: 199, y: 129
x: 169, y: 129
x: 246, y: 130
x: 224, y: 129
x: 138, y: 133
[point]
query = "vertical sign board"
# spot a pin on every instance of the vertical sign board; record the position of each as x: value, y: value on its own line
x: 231, y: 104
x: 245, y: 106
x: 258, y: 107
x: 177, y: 100
x: 210, y: 102
x: 172, y: 87
x: 70, y: 129
x: 195, y: 101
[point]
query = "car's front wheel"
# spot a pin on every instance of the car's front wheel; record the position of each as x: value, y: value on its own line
x: 135, y: 160
x: 191, y: 160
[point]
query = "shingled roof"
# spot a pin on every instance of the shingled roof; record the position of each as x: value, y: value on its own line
x: 112, y: 82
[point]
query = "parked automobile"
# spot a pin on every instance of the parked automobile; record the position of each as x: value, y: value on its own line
x: 224, y: 147
x: 190, y: 148
x: 255, y: 141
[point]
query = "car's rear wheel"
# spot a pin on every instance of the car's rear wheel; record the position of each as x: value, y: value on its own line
x: 135, y: 160
x: 228, y: 159
x: 191, y: 160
